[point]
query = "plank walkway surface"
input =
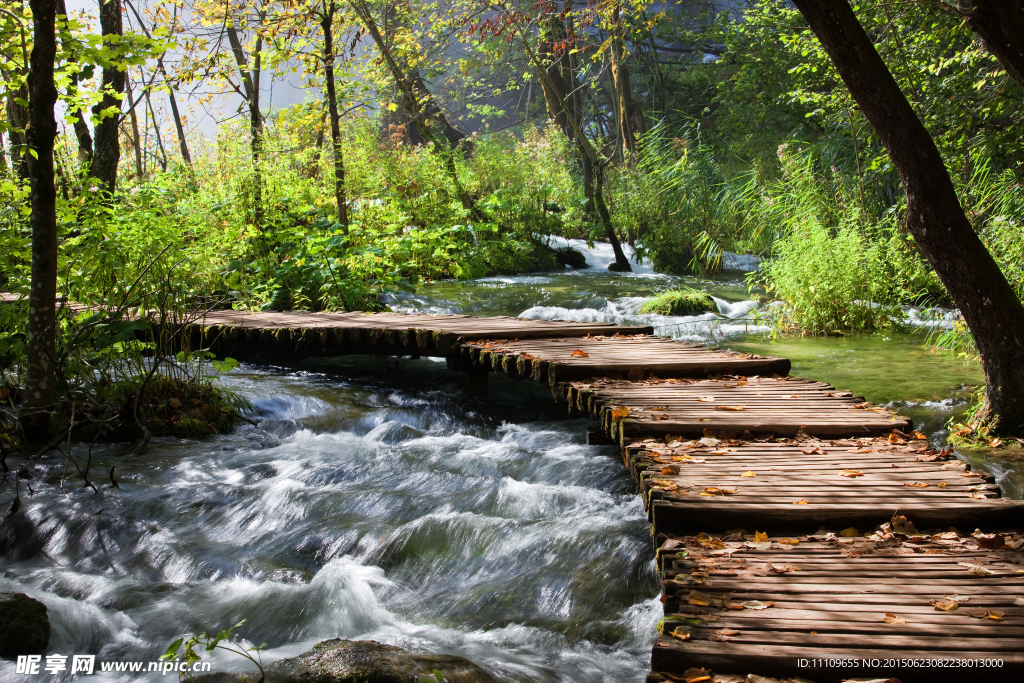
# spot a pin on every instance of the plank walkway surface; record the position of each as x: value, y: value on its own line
x: 632, y: 357
x: 826, y: 607
x: 729, y: 454
x: 715, y: 485
x: 781, y: 406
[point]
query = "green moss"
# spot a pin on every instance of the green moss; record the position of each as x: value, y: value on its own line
x: 685, y: 301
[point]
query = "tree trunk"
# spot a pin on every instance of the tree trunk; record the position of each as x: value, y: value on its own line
x: 136, y: 140
x: 341, y: 210
x: 251, y: 89
x: 935, y: 218
x: 1000, y: 23
x: 560, y: 84
x: 630, y: 116
x: 42, y: 130
x: 107, y: 150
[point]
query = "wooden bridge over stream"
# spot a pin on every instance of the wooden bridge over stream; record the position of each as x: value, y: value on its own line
x: 800, y: 530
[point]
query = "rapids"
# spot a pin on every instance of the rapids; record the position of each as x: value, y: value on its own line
x: 378, y: 499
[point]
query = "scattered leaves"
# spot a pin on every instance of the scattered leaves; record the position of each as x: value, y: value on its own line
x: 944, y: 605
x: 698, y: 598
x: 715, y: 491
x: 851, y: 473
x: 579, y: 354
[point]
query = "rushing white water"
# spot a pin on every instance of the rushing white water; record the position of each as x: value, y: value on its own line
x: 399, y: 510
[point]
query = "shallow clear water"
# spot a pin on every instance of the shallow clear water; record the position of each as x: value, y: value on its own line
x: 380, y: 499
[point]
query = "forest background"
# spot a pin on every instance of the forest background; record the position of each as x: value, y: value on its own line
x: 446, y: 140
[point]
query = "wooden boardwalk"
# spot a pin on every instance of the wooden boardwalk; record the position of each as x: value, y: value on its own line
x: 801, y: 531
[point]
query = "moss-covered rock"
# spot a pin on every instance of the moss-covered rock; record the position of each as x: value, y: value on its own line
x: 571, y: 258
x: 24, y: 626
x: 363, y: 661
x: 685, y: 301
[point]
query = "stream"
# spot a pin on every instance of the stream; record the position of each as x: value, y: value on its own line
x: 378, y: 499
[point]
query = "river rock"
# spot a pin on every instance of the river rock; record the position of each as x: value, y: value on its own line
x: 362, y: 661
x: 568, y: 256
x: 24, y: 626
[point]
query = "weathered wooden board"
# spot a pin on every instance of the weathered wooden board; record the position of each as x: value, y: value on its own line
x: 827, y: 607
x: 781, y: 406
x: 300, y: 334
x: 632, y: 357
x: 788, y: 484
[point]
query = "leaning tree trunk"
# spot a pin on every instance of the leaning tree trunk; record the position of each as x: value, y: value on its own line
x: 341, y: 208
x: 42, y: 130
x: 934, y: 216
x: 1000, y: 23
x: 106, y: 142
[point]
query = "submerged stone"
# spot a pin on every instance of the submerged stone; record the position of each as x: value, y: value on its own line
x: 24, y: 626
x: 362, y: 661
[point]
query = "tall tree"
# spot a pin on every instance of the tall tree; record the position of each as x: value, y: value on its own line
x: 107, y: 112
x: 42, y: 130
x: 935, y: 217
x: 327, y: 10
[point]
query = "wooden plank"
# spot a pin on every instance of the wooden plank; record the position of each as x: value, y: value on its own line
x: 877, y: 605
x: 620, y: 356
x: 785, y: 494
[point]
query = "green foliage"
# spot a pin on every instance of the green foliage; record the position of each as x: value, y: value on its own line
x: 834, y: 268
x: 222, y: 640
x: 685, y: 301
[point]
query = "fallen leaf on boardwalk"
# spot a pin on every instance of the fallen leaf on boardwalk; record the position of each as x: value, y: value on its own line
x: 620, y: 413
x: 727, y: 632
x: 715, y: 491
x: 982, y: 613
x: 790, y: 541
x: 760, y: 536
x: 976, y: 569
x: 858, y: 450
x: 696, y: 675
x: 580, y: 354
x: 699, y: 599
x: 800, y: 502
x: 1019, y: 602
x: 991, y: 541
x: 749, y: 473
x: 682, y: 633
x: 732, y: 408
x: 757, y: 604
x: 899, y: 524
x: 705, y: 541
x: 709, y: 441
x: 942, y: 484
x: 851, y: 473
x: 918, y: 485
x: 811, y: 451
x: 896, y: 439
x: 958, y: 598
x: 891, y: 618
x: 849, y: 532
x: 918, y: 436
x: 687, y: 458
x: 706, y: 399
x: 792, y: 396
x: 944, y: 605
x: 670, y: 469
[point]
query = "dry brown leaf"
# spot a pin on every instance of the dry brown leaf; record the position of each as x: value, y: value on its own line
x: 896, y: 439
x: 748, y: 473
x: 918, y: 436
x: 760, y: 536
x: 757, y: 604
x: 620, y: 412
x: 715, y: 491
x: 800, y: 502
x: 670, y: 469
x: 579, y: 354
x: 682, y: 633
x: 706, y: 399
x: 851, y: 473
x: 696, y: 675
x: 811, y: 451
x: 899, y: 524
x: 917, y: 485
x: 732, y: 408
x: 944, y: 605
x: 699, y: 599
x: 990, y: 541
x: 891, y: 618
